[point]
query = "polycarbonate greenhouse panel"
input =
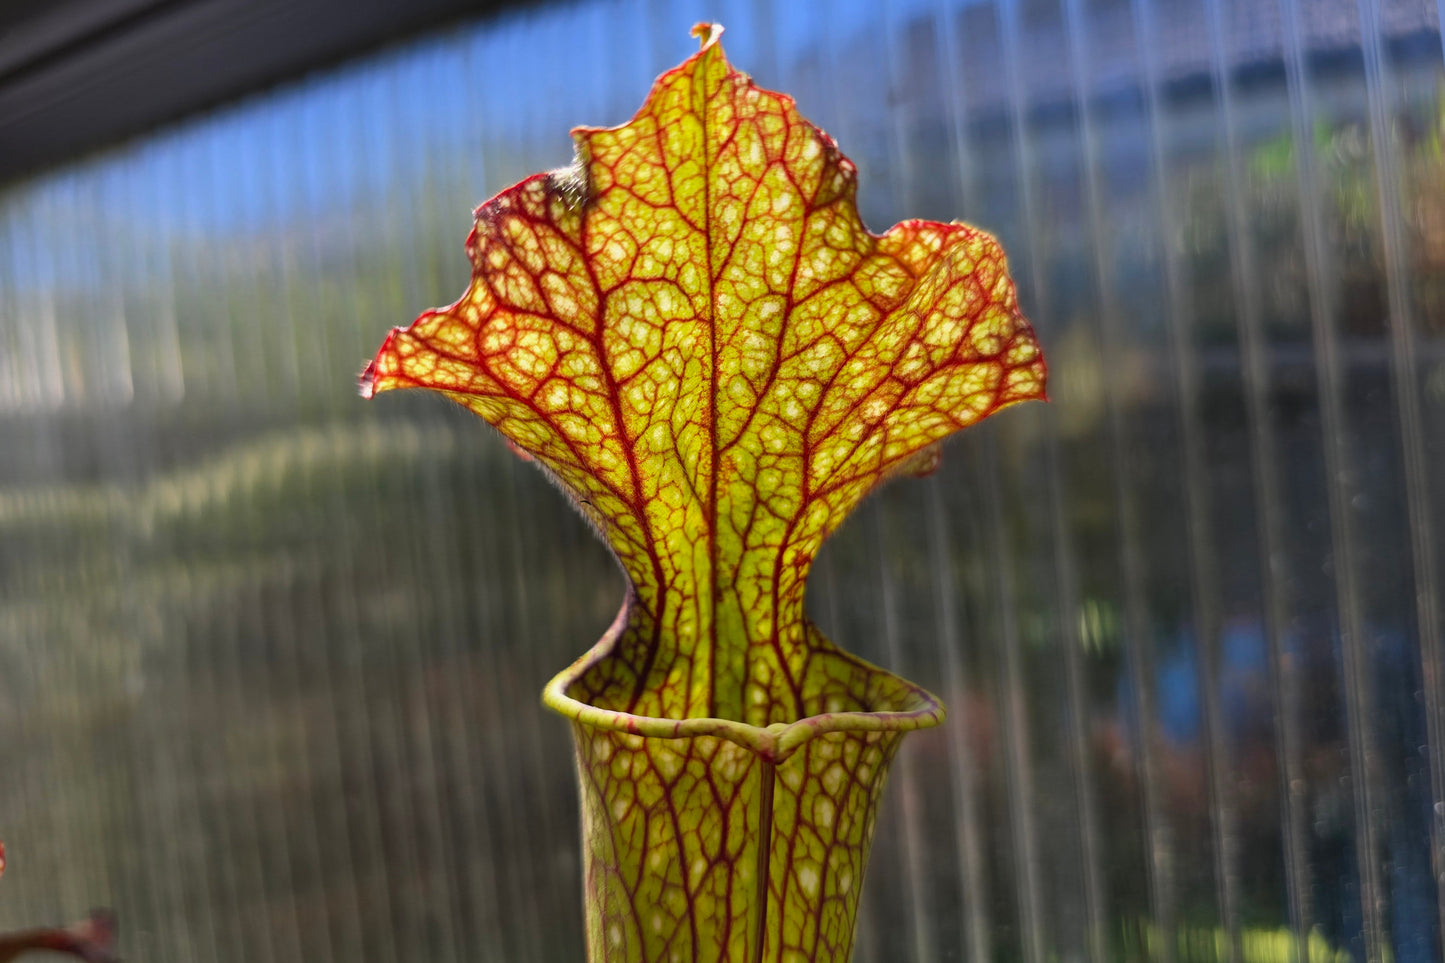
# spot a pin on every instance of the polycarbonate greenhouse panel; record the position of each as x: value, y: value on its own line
x: 271, y: 657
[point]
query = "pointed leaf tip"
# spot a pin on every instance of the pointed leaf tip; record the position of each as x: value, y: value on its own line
x: 707, y: 34
x: 372, y: 381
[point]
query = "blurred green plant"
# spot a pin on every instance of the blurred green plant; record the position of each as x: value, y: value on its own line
x: 1257, y: 944
x: 1343, y: 160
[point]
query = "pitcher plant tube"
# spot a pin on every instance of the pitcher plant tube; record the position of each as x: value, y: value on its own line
x: 691, y: 330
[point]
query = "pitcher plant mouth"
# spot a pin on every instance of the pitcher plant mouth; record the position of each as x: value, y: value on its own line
x: 904, y: 707
x: 708, y: 838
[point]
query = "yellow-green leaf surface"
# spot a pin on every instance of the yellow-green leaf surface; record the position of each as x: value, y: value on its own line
x: 693, y: 331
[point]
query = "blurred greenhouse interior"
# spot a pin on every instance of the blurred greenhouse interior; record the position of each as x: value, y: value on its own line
x: 270, y: 656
